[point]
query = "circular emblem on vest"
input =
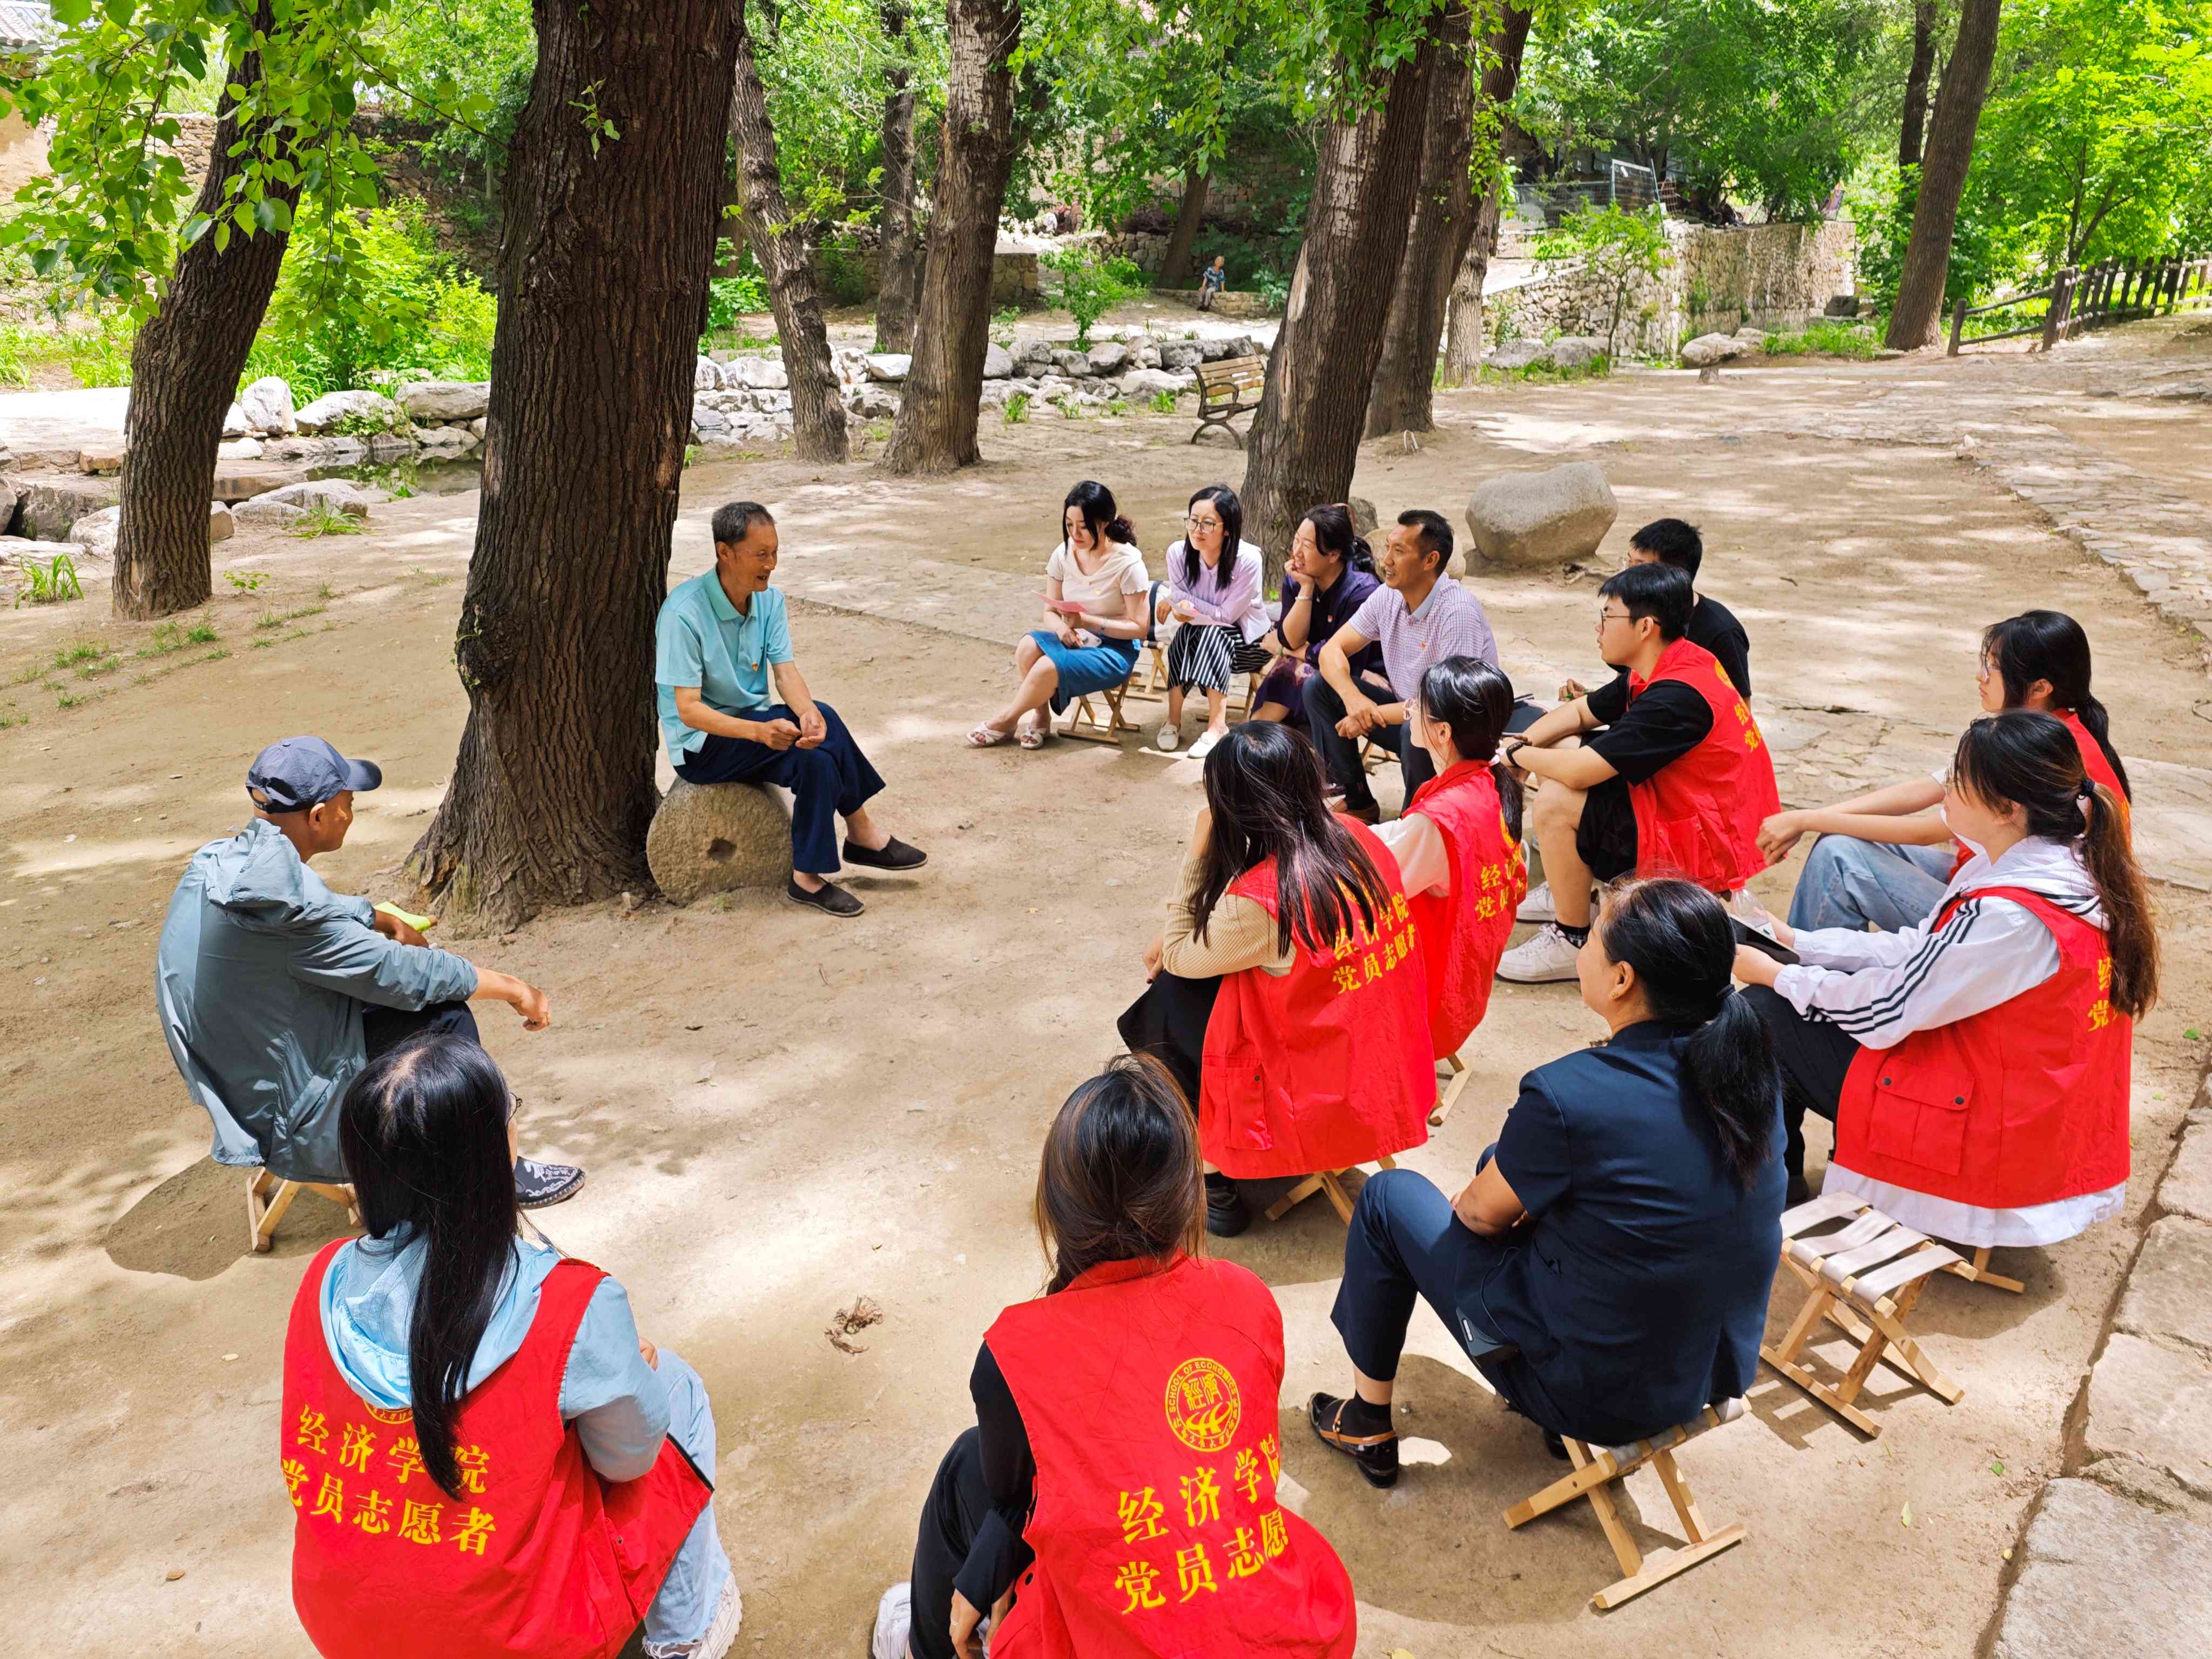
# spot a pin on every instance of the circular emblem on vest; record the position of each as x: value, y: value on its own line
x: 1202, y: 1405
x: 382, y: 1414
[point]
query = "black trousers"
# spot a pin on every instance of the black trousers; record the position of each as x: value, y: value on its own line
x: 383, y: 1030
x: 1341, y: 755
x: 951, y: 1515
x: 1814, y: 1057
x: 1168, y: 1022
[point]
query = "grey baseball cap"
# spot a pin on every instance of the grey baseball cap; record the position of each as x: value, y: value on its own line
x: 296, y: 772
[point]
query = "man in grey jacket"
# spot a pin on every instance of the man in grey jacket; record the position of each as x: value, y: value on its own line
x: 273, y: 991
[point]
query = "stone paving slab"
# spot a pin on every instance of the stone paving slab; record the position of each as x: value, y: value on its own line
x: 2104, y: 1578
x: 2169, y: 1294
x: 2187, y: 1188
x: 2156, y: 1404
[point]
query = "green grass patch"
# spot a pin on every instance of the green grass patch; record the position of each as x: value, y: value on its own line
x: 1017, y: 409
x: 1825, y: 338
x: 84, y: 651
x: 170, y: 637
x: 324, y: 519
x: 48, y: 581
x: 1163, y: 403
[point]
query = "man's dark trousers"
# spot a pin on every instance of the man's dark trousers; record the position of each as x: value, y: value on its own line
x: 830, y: 780
x: 1341, y: 755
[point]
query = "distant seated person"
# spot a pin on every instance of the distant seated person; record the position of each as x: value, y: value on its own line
x: 485, y: 1457
x: 1094, y: 594
x: 1458, y: 843
x: 1711, y: 624
x: 719, y: 636
x: 274, y: 992
x: 1976, y: 1064
x: 1609, y: 1266
x: 1669, y: 775
x: 1211, y: 282
x: 1330, y: 574
x: 1213, y: 595
x: 1883, y: 859
x: 1424, y: 617
x: 1079, y: 1516
x: 1288, y: 994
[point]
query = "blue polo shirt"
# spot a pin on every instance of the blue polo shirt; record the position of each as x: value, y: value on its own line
x: 701, y: 641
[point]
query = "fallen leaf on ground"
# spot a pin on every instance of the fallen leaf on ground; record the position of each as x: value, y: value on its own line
x: 1905, y: 1515
x: 173, y: 1575
x: 863, y: 1313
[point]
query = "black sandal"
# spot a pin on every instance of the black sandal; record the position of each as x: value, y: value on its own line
x: 1375, y: 1455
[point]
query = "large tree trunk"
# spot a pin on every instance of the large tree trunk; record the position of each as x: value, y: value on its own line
x: 936, y: 429
x: 602, y: 282
x: 1305, y: 436
x: 1916, y: 83
x: 898, y: 278
x: 184, y: 370
x: 1404, y: 398
x: 785, y: 254
x: 1175, y: 261
x: 1917, y: 318
x: 1464, y: 328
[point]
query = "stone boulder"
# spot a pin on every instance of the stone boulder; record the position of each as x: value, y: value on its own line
x: 46, y: 511
x: 326, y: 411
x: 709, y: 423
x: 997, y: 364
x: 1537, y: 518
x: 261, y: 510
x: 238, y: 449
x: 1516, y: 354
x: 221, y: 523
x: 268, y: 406
x: 234, y: 423
x: 479, y: 428
x: 1109, y: 357
x: 1181, y: 354
x: 756, y: 374
x: 96, y: 532
x: 890, y: 367
x: 1213, y: 348
x: 104, y: 462
x: 873, y: 403
x: 717, y: 838
x: 707, y: 375
x: 1576, y: 351
x: 239, y: 483
x: 1149, y: 382
x: 1841, y: 305
x: 1072, y: 363
x: 447, y: 440
x: 1364, y: 516
x: 441, y: 403
x: 1710, y: 349
x: 16, y: 551
x: 334, y: 494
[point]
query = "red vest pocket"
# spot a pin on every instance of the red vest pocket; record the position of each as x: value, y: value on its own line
x: 1920, y: 1116
x: 1233, y: 1081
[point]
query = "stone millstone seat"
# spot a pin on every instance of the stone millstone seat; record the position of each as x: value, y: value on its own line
x: 1553, y: 516
x: 717, y: 838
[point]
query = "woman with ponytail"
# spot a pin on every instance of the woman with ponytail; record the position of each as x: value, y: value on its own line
x: 1330, y: 574
x: 1882, y: 858
x: 1976, y: 1066
x: 1607, y: 1268
x: 487, y: 1459
x: 1458, y: 842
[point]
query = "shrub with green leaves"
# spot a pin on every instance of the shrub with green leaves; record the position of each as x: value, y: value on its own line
x: 1616, y: 247
x: 1090, y: 288
x: 730, y: 300
x: 48, y: 581
x: 1163, y: 403
x: 100, y: 354
x: 1018, y: 409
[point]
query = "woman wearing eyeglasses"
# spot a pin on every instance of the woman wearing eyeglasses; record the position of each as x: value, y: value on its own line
x: 1213, y: 592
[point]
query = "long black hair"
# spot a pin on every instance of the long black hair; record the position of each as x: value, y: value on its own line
x: 1263, y: 785
x: 423, y: 1132
x: 1232, y: 533
x: 1677, y: 938
x: 2026, y: 758
x: 1120, y: 1177
x: 2050, y: 646
x: 1336, y: 535
x: 1472, y: 699
x: 1096, y: 502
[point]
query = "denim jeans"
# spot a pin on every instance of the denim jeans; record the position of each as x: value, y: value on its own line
x: 1848, y: 883
x: 699, y: 1576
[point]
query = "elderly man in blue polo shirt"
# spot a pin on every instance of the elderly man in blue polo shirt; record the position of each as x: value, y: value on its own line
x: 719, y: 637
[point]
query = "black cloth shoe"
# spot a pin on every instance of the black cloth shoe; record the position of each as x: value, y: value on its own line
x: 893, y: 854
x: 1554, y: 1445
x: 1345, y: 1425
x: 830, y: 898
x: 539, y: 1186
x: 1226, y: 1212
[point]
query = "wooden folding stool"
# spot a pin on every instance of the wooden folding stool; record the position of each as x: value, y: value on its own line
x: 1599, y: 1469
x: 1082, y: 719
x: 267, y: 1197
x: 1458, y: 1071
x: 1864, y: 1279
x: 1330, y: 1181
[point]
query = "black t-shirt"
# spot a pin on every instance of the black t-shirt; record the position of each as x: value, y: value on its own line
x: 1714, y: 626
x: 1665, y: 722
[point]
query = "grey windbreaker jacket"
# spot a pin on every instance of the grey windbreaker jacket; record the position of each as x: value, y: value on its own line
x: 260, y: 980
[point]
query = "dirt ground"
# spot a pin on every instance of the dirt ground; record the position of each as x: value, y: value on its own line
x: 780, y: 1116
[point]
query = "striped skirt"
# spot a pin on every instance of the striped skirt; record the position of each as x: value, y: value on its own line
x: 1204, y: 656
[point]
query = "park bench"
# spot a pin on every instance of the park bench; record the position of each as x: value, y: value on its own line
x: 1221, y: 393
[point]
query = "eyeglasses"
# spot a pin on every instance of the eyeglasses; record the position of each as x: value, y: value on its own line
x: 1196, y: 522
x: 1605, y: 617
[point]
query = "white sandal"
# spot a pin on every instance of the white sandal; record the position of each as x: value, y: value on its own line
x: 985, y: 735
x: 1168, y: 737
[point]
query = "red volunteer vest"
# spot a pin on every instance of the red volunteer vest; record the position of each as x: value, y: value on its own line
x: 1699, y: 816
x: 539, y: 1556
x: 2093, y: 762
x: 1463, y: 932
x: 2022, y: 1104
x: 1149, y: 1397
x: 1328, y: 1064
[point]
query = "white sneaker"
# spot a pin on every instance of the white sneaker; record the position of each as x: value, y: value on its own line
x: 894, y: 1618
x: 1207, y: 740
x: 1547, y: 955
x: 1538, y: 906
x: 1167, y: 737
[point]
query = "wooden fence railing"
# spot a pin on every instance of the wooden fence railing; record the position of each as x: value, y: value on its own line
x: 2116, y: 291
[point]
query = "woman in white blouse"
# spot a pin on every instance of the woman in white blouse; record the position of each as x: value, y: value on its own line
x: 1213, y: 592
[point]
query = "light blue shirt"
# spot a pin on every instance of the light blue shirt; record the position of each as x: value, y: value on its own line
x: 701, y: 639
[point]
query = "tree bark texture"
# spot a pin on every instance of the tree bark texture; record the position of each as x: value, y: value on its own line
x: 1304, y: 441
x: 1507, y: 40
x: 1915, y: 120
x: 936, y: 427
x: 1916, y: 318
x: 1404, y: 398
x: 184, y: 372
x: 898, y: 278
x: 603, y: 273
x: 1174, y: 263
x: 787, y: 255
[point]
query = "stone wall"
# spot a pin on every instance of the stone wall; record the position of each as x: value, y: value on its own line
x: 1767, y: 276
x: 1014, y: 277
